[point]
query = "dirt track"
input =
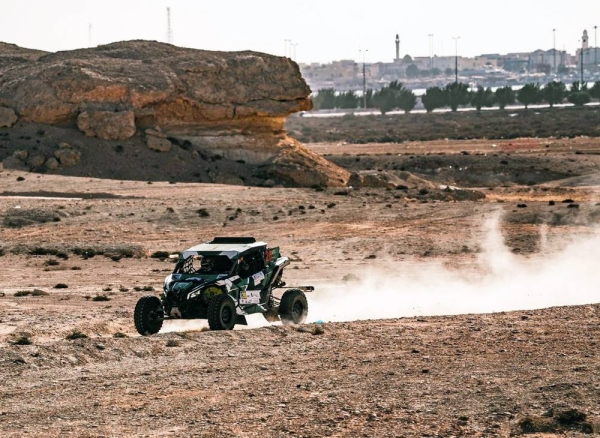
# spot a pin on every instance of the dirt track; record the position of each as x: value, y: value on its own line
x: 474, y: 375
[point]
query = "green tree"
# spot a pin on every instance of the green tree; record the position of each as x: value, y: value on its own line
x: 579, y: 86
x: 449, y: 71
x: 347, y: 100
x: 554, y: 92
x: 325, y: 99
x: 457, y: 94
x: 385, y: 99
x: 436, y: 71
x: 505, y: 96
x: 407, y: 100
x: 483, y: 97
x: 529, y: 94
x: 579, y: 94
x: 394, y: 95
x: 433, y: 98
x: 412, y: 71
x: 595, y: 90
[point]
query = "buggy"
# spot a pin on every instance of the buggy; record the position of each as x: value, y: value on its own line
x: 223, y: 281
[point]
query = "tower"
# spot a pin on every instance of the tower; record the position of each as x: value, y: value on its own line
x: 397, y: 47
x: 169, y: 29
x: 585, y: 40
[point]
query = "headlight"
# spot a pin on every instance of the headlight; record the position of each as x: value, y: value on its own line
x: 167, y: 283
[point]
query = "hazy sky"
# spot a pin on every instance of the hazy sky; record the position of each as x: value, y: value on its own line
x: 323, y: 30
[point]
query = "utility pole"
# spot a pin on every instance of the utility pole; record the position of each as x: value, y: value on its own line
x: 456, y: 58
x: 364, y: 52
x: 288, y: 43
x: 431, y: 51
x: 595, y: 47
x: 294, y: 46
x: 169, y: 28
x: 582, y: 44
x: 554, y: 35
x: 90, y: 35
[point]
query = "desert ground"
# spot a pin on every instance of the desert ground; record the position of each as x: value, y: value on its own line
x: 507, y: 344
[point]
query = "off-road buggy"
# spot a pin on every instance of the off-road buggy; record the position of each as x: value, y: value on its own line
x: 223, y: 281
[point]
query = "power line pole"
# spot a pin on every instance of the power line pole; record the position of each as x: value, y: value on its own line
x: 90, y: 35
x: 554, y: 35
x: 595, y: 47
x: 288, y: 43
x: 169, y: 28
x: 456, y: 58
x: 364, y: 79
x: 430, y: 51
x: 582, y: 44
x: 294, y: 46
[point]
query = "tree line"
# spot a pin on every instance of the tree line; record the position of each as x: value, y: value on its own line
x: 454, y: 95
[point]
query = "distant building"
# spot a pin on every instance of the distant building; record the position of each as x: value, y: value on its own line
x: 546, y: 61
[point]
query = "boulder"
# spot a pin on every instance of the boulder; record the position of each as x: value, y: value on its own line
x: 36, y: 161
x: 21, y: 154
x: 68, y: 157
x: 158, y: 144
x: 52, y: 163
x: 14, y: 163
x: 107, y: 125
x: 8, y: 117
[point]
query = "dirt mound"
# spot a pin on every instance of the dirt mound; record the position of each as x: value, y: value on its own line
x: 162, y: 97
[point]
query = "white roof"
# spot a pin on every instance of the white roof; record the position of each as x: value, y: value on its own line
x: 227, y: 249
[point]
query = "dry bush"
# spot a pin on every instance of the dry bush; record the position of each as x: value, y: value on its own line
x: 21, y: 340
x: 101, y: 298
x: 76, y: 334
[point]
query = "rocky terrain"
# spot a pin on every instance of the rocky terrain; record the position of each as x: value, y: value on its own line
x: 190, y: 106
x: 76, y: 254
x: 456, y: 281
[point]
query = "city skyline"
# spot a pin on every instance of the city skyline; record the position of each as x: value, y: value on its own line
x: 314, y: 31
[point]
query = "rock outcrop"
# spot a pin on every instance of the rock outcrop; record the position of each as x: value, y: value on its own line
x: 233, y: 104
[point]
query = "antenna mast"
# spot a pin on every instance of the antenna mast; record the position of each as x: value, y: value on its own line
x: 169, y: 28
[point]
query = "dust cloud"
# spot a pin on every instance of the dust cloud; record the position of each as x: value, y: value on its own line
x: 502, y: 281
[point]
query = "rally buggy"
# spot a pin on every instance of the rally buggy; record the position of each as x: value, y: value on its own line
x: 223, y: 281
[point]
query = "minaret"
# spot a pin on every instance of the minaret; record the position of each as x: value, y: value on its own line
x: 397, y: 47
x: 585, y: 40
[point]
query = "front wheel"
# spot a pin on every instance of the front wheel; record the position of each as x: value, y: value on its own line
x: 148, y: 315
x: 293, y: 308
x: 221, y: 313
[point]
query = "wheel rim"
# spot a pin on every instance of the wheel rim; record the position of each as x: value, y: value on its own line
x: 297, y: 310
x: 153, y: 317
x: 226, y: 315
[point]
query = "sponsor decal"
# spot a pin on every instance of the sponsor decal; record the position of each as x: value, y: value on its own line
x: 258, y: 278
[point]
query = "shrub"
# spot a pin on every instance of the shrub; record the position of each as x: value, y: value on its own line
x: 76, y: 334
x: 21, y: 340
x: 101, y: 298
x: 22, y: 293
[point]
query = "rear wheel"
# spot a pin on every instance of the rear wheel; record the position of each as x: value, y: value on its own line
x: 221, y: 313
x: 148, y: 315
x: 293, y: 308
